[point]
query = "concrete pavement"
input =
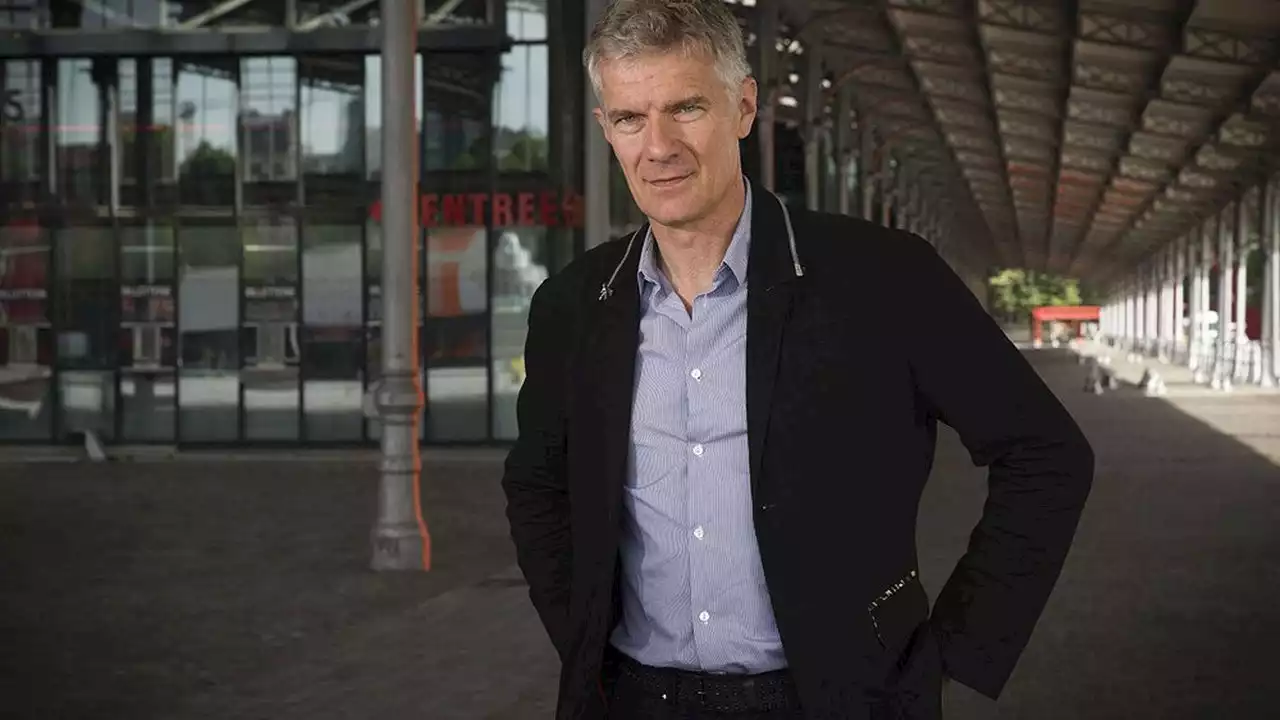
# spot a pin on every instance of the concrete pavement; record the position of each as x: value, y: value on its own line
x: 235, y: 586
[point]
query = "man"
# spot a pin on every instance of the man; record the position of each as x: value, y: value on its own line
x: 729, y: 418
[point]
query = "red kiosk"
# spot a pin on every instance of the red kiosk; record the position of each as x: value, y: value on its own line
x: 1076, y: 315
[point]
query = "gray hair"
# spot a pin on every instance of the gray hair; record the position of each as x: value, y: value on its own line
x: 630, y: 28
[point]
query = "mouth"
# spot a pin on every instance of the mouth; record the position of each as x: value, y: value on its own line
x: 670, y: 181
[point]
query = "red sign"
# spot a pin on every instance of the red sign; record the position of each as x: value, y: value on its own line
x: 546, y: 208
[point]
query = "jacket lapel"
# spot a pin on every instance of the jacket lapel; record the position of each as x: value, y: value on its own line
x: 607, y: 370
x: 770, y: 282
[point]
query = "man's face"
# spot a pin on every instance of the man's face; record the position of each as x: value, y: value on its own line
x: 675, y: 128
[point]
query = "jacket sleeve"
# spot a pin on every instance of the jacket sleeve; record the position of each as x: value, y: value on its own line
x: 1040, y: 470
x: 534, y: 478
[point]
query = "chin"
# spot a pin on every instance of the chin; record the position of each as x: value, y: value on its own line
x: 671, y: 212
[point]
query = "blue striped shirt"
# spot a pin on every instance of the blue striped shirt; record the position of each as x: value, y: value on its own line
x: 693, y: 590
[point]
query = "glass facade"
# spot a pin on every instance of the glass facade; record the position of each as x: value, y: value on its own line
x: 191, y: 247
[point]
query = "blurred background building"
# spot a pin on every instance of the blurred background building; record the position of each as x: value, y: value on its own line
x: 190, y: 242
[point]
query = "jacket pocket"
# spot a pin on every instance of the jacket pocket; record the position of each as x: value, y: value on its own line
x: 898, y: 610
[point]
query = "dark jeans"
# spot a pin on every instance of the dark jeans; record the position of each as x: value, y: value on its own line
x: 629, y: 700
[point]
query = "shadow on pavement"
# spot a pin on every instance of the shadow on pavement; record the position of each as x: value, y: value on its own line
x: 239, y: 589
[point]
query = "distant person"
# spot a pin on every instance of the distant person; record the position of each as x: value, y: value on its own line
x: 714, y: 491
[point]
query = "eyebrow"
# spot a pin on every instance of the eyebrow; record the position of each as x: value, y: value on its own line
x: 615, y: 115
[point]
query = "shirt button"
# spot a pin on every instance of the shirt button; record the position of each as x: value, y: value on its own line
x: 697, y: 450
x: 698, y: 533
x: 704, y: 616
x: 696, y: 373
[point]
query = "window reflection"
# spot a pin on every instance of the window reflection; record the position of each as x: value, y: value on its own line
x: 205, y: 118
x: 209, y: 323
x: 106, y: 14
x: 333, y: 119
x: 457, y: 100
x: 333, y: 313
x: 20, y: 156
x: 220, y: 13
x: 82, y: 136
x: 520, y: 114
x: 522, y: 259
x: 26, y: 339
x: 527, y: 19
x: 269, y: 334
x: 148, y: 342
x: 86, y: 324
x: 268, y: 130
x: 331, y: 13
x: 373, y: 111
x: 455, y: 343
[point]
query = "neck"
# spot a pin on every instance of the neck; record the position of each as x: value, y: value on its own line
x: 690, y: 255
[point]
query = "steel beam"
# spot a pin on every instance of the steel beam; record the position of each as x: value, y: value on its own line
x: 130, y: 42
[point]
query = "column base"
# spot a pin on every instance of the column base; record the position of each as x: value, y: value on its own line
x: 397, y: 547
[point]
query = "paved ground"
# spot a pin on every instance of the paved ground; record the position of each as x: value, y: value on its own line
x: 236, y: 588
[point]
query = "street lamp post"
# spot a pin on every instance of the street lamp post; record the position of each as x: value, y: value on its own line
x: 400, y: 539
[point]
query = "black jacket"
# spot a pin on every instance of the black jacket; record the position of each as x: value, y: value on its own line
x: 850, y: 365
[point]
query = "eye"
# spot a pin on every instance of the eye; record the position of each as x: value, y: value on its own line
x: 689, y: 110
x: 627, y: 121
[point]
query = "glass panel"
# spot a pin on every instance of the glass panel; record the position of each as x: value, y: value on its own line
x: 104, y: 14
x: 86, y: 323
x: 26, y: 340
x: 269, y: 336
x: 221, y: 13
x: 457, y: 154
x: 522, y: 258
x: 160, y: 133
x: 20, y: 156
x: 82, y: 137
x: 520, y: 110
x: 333, y: 119
x: 527, y: 19
x: 205, y: 118
x: 209, y: 323
x: 269, y: 130
x: 373, y: 321
x: 27, y: 16
x: 373, y: 113
x: 332, y: 352
x: 148, y: 341
x: 332, y: 13
x: 456, y: 334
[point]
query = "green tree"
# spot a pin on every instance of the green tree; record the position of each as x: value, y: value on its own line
x: 1015, y: 292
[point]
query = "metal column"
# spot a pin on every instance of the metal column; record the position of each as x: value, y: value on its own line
x: 844, y: 147
x: 597, y: 221
x: 1240, y: 338
x: 866, y: 167
x: 1226, y: 263
x: 812, y: 127
x: 1179, y: 297
x: 766, y: 68
x: 888, y: 186
x: 1271, y: 296
x: 400, y: 539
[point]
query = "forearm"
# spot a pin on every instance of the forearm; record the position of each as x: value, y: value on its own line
x: 538, y: 513
x: 989, y: 607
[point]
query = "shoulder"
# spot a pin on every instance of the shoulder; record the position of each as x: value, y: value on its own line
x: 579, y: 282
x: 837, y: 237
x: 842, y: 248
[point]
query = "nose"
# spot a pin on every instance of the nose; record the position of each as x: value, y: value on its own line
x: 662, y: 139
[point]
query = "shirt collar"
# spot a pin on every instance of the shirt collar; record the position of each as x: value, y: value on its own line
x: 735, y: 257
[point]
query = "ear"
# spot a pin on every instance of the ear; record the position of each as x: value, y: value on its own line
x: 748, y: 106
